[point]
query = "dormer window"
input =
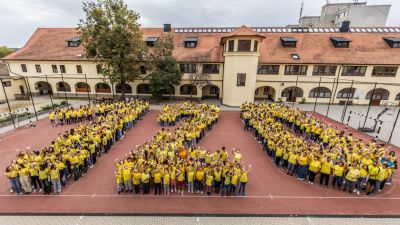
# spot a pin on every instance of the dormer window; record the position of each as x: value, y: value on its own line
x: 288, y: 42
x: 340, y: 42
x: 74, y: 42
x: 393, y: 42
x: 150, y: 41
x: 190, y: 42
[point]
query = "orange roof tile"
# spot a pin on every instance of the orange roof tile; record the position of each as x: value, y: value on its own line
x: 313, y: 48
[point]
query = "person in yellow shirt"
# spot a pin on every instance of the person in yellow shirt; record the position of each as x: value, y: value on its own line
x: 145, y: 179
x: 381, y: 177
x: 166, y: 182
x: 34, y: 172
x: 313, y: 169
x: 120, y: 180
x: 217, y: 179
x: 209, y: 182
x: 136, y: 180
x: 190, y: 180
x: 157, y: 182
x: 24, y: 178
x: 181, y: 181
x: 292, y: 162
x: 12, y: 175
x: 127, y: 176
x: 55, y: 179
x: 243, y: 180
x: 200, y: 180
x: 338, y: 171
x: 302, y: 166
x: 326, y: 170
x: 352, y: 176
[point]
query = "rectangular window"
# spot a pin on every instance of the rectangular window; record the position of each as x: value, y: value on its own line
x: 244, y: 45
x: 354, y: 70
x: 7, y: 83
x: 98, y: 68
x: 255, y: 48
x: 231, y: 45
x: 214, y: 90
x: 38, y: 68
x: 211, y: 68
x: 384, y: 71
x: 268, y: 69
x: 324, y: 70
x: 23, y: 67
x: 295, y: 70
x: 188, y: 68
x: 62, y: 69
x: 241, y: 79
x: 143, y: 70
x: 78, y: 69
x: 54, y: 68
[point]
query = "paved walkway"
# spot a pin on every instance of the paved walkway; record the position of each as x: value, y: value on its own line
x: 172, y: 220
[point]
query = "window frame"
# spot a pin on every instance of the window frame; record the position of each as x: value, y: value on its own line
x: 24, y: 68
x: 345, y: 72
x: 268, y: 70
x: 383, y: 73
x: 7, y: 83
x: 327, y: 68
x: 63, y: 69
x: 214, y: 68
x: 188, y: 67
x: 244, y: 45
x: 231, y: 46
x: 241, y: 79
x: 300, y: 70
x: 54, y: 68
x: 79, y: 69
x: 38, y: 68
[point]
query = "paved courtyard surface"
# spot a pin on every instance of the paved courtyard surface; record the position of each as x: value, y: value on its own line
x: 270, y: 190
x: 172, y: 220
x: 357, y: 115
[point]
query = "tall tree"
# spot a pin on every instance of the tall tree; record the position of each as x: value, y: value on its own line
x: 165, y: 71
x: 4, y: 50
x: 111, y: 37
x: 198, y: 79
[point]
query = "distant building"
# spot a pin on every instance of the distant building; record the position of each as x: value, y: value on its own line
x: 359, y: 14
x: 13, y: 85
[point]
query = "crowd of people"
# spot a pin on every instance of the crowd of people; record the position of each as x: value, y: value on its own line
x: 303, y: 145
x: 70, y: 115
x: 170, y: 162
x: 72, y: 153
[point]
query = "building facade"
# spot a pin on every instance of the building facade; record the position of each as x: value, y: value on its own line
x: 11, y: 87
x: 359, y: 13
x: 244, y: 64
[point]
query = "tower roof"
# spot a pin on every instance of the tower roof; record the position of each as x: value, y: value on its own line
x: 243, y: 31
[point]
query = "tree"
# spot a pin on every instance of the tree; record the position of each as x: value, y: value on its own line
x: 4, y: 51
x: 165, y: 70
x: 111, y: 37
x: 198, y: 79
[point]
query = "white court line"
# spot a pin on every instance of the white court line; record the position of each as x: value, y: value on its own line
x: 270, y: 197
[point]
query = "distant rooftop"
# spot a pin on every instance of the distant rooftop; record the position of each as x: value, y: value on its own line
x: 288, y: 29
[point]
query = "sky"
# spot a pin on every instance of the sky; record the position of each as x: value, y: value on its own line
x: 20, y: 18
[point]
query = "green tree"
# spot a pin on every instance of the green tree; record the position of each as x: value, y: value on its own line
x: 111, y: 37
x: 4, y: 50
x: 198, y: 79
x: 165, y: 70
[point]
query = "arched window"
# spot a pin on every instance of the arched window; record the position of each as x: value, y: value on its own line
x: 63, y: 86
x: 82, y: 87
x: 143, y: 89
x: 378, y: 94
x: 188, y: 89
x: 346, y: 93
x: 103, y: 88
x: 128, y: 88
x: 292, y: 92
x: 320, y: 92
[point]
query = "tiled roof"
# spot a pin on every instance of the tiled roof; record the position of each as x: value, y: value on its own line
x: 313, y: 45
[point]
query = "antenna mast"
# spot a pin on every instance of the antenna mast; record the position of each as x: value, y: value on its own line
x: 301, y: 10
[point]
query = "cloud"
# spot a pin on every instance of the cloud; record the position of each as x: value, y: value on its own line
x: 19, y: 18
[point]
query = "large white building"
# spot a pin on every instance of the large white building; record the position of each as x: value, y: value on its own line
x: 358, y: 13
x: 276, y: 63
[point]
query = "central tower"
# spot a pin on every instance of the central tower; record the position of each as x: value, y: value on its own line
x: 241, y: 52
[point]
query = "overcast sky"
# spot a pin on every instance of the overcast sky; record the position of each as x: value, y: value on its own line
x: 20, y: 18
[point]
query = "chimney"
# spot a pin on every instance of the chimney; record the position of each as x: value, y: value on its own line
x: 167, y: 27
x: 345, y: 26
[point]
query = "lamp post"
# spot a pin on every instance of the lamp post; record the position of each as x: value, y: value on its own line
x: 65, y: 91
x: 50, y: 93
x: 87, y: 88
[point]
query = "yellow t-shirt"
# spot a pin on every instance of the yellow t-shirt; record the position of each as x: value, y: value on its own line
x: 326, y: 167
x: 338, y: 170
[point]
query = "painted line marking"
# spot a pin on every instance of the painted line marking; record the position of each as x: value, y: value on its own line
x: 195, y: 196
